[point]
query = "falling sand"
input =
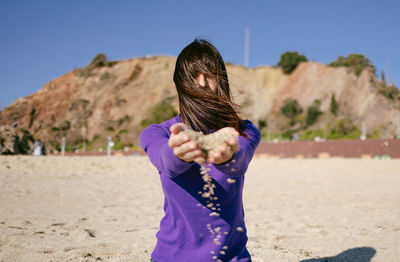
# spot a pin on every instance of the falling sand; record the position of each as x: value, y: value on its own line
x: 210, y: 144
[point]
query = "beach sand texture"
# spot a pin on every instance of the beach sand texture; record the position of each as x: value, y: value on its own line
x: 109, y: 208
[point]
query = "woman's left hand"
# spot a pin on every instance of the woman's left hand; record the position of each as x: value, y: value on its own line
x: 227, y: 150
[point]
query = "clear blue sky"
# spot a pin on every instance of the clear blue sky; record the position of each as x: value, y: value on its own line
x: 42, y: 40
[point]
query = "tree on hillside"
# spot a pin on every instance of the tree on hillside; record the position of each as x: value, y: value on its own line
x: 355, y: 62
x: 290, y: 60
x: 262, y: 124
x: 291, y: 109
x: 313, y: 113
x: 100, y: 60
x: 388, y: 90
x: 334, y: 105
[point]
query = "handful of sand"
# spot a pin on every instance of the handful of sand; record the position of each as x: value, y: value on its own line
x: 210, y: 143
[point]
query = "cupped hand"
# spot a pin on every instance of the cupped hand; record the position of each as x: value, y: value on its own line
x: 226, y: 151
x: 183, y: 147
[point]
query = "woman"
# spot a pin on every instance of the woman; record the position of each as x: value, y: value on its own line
x: 193, y: 228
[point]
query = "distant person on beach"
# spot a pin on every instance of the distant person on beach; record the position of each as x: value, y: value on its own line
x: 196, y: 227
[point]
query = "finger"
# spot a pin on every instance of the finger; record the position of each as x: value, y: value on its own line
x: 178, y: 127
x: 185, y: 148
x: 177, y: 140
x: 234, y: 144
x: 233, y: 131
x: 215, y: 157
x: 192, y: 155
x: 231, y: 141
x: 224, y: 152
x: 223, y: 155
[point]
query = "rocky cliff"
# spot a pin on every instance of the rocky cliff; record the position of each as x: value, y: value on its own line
x: 112, y: 100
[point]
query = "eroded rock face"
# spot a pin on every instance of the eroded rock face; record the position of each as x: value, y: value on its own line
x: 113, y: 100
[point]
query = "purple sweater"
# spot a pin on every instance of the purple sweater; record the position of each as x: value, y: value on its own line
x: 187, y: 231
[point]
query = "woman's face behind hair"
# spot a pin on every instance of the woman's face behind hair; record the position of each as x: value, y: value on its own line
x: 206, y: 81
x: 205, y: 101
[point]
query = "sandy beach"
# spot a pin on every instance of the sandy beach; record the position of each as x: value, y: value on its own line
x: 108, y: 209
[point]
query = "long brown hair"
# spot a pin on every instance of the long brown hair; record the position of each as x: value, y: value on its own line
x: 200, y: 107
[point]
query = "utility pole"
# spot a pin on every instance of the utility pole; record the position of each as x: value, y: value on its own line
x: 246, y: 64
x: 388, y: 80
x: 246, y: 46
x: 62, y: 145
x: 110, y: 144
x: 364, y: 131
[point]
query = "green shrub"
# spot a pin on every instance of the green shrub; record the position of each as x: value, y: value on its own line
x: 119, y: 101
x: 65, y: 125
x: 99, y: 60
x: 110, y: 128
x: 90, y: 143
x: 301, y: 119
x: 159, y: 113
x: 356, y: 62
x: 343, y: 128
x: 262, y: 124
x: 118, y: 145
x: 83, y: 72
x: 56, y: 145
x: 123, y: 131
x: 263, y: 134
x: 78, y: 102
x: 53, y: 119
x: 268, y: 136
x: 388, y: 90
x: 32, y: 116
x: 310, y: 134
x: 291, y: 108
x: 376, y: 134
x: 21, y: 143
x: 353, y: 134
x: 54, y: 129
x: 288, y: 134
x: 85, y: 115
x: 124, y: 119
x: 106, y: 76
x: 313, y: 113
x: 290, y: 60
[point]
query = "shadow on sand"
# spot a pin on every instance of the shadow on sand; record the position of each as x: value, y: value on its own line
x: 358, y: 254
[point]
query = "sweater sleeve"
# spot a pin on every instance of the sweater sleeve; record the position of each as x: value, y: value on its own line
x: 154, y: 141
x: 238, y: 164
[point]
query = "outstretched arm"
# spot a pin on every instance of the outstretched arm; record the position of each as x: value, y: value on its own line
x: 173, y: 153
x: 240, y: 160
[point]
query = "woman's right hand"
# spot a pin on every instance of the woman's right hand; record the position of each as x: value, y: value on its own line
x: 183, y: 147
